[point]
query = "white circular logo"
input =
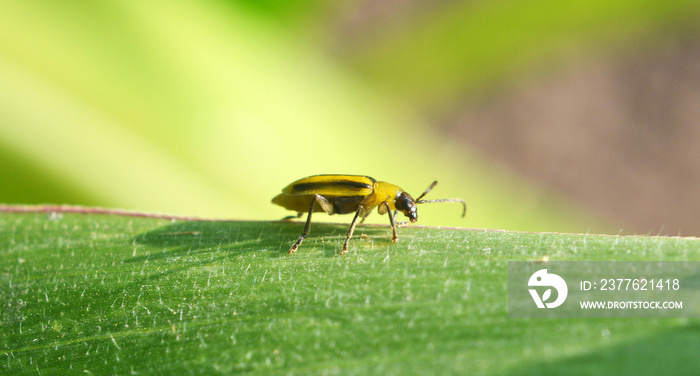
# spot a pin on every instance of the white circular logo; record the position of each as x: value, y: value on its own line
x: 543, y: 279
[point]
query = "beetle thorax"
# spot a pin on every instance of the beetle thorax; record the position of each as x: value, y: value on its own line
x: 384, y: 191
x: 397, y: 199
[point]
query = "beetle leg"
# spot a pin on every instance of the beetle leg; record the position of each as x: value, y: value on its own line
x: 391, y: 215
x: 321, y: 201
x: 351, y: 230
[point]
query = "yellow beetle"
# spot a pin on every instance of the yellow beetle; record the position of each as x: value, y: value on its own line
x: 344, y: 194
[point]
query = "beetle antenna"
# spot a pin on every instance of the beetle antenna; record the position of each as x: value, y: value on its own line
x: 426, y: 191
x: 464, y: 211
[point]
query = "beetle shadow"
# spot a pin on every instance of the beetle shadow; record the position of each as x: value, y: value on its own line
x: 231, y: 238
x: 224, y: 239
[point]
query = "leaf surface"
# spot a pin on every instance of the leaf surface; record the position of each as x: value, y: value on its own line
x: 119, y: 294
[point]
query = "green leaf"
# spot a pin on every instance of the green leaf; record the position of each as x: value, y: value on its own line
x: 120, y: 294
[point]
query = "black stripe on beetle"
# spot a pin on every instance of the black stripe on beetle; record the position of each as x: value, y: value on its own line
x: 305, y: 187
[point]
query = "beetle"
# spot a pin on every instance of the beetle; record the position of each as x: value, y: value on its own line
x: 345, y: 194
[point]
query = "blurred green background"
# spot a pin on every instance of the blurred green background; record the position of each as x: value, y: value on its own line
x: 543, y: 115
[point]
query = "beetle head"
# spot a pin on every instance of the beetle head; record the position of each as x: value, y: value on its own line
x: 406, y: 205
